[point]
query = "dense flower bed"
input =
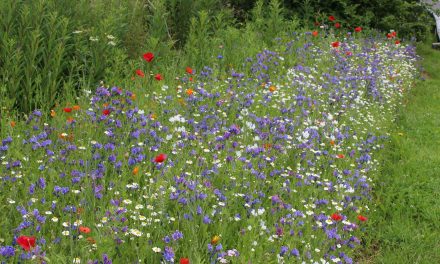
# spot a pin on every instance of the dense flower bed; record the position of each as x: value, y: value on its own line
x: 273, y: 164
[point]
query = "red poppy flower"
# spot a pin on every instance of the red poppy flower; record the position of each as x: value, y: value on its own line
x: 148, y: 56
x: 340, y: 156
x: 362, y: 218
x: 331, y: 18
x: 184, y: 261
x: 335, y: 44
x: 315, y: 33
x: 140, y: 73
x: 84, y: 229
x: 106, y: 112
x: 397, y: 42
x: 26, y: 242
x: 394, y: 33
x: 336, y: 217
x: 358, y: 29
x: 158, y: 77
x: 337, y: 25
x: 67, y: 109
x: 189, y: 70
x: 160, y: 158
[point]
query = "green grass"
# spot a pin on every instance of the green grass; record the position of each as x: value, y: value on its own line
x: 405, y: 225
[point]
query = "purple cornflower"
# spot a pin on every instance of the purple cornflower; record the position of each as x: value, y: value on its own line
x: 206, y: 220
x: 283, y: 250
x: 177, y: 235
x: 168, y: 254
x: 7, y: 251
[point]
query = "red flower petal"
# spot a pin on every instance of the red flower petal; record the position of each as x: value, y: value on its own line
x: 358, y: 29
x: 184, y: 261
x: 26, y: 242
x: 336, y: 217
x: 158, y: 77
x: 140, y: 73
x: 67, y: 109
x: 148, y: 56
x: 331, y: 18
x: 160, y: 158
x: 335, y: 44
x: 106, y: 111
x: 189, y: 70
x: 362, y: 218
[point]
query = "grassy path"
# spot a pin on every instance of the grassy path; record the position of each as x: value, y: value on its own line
x: 406, y: 223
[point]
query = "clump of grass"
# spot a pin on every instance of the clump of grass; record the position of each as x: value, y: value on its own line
x: 405, y: 219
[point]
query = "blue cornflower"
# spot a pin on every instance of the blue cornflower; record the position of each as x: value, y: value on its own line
x: 7, y: 251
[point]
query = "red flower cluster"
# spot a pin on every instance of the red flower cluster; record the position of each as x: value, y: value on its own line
x: 391, y: 35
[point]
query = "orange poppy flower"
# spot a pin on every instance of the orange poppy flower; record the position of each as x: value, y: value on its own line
x: 332, y: 142
x: 215, y: 239
x: 135, y: 170
x: 12, y: 123
x: 272, y: 88
x: 189, y: 91
x: 133, y: 96
x: 315, y: 33
x: 76, y: 107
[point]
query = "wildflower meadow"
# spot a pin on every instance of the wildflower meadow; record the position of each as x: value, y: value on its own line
x: 271, y: 160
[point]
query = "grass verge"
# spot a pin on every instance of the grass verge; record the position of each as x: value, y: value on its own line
x: 406, y: 222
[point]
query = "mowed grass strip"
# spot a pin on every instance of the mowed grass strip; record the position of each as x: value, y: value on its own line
x: 406, y: 223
